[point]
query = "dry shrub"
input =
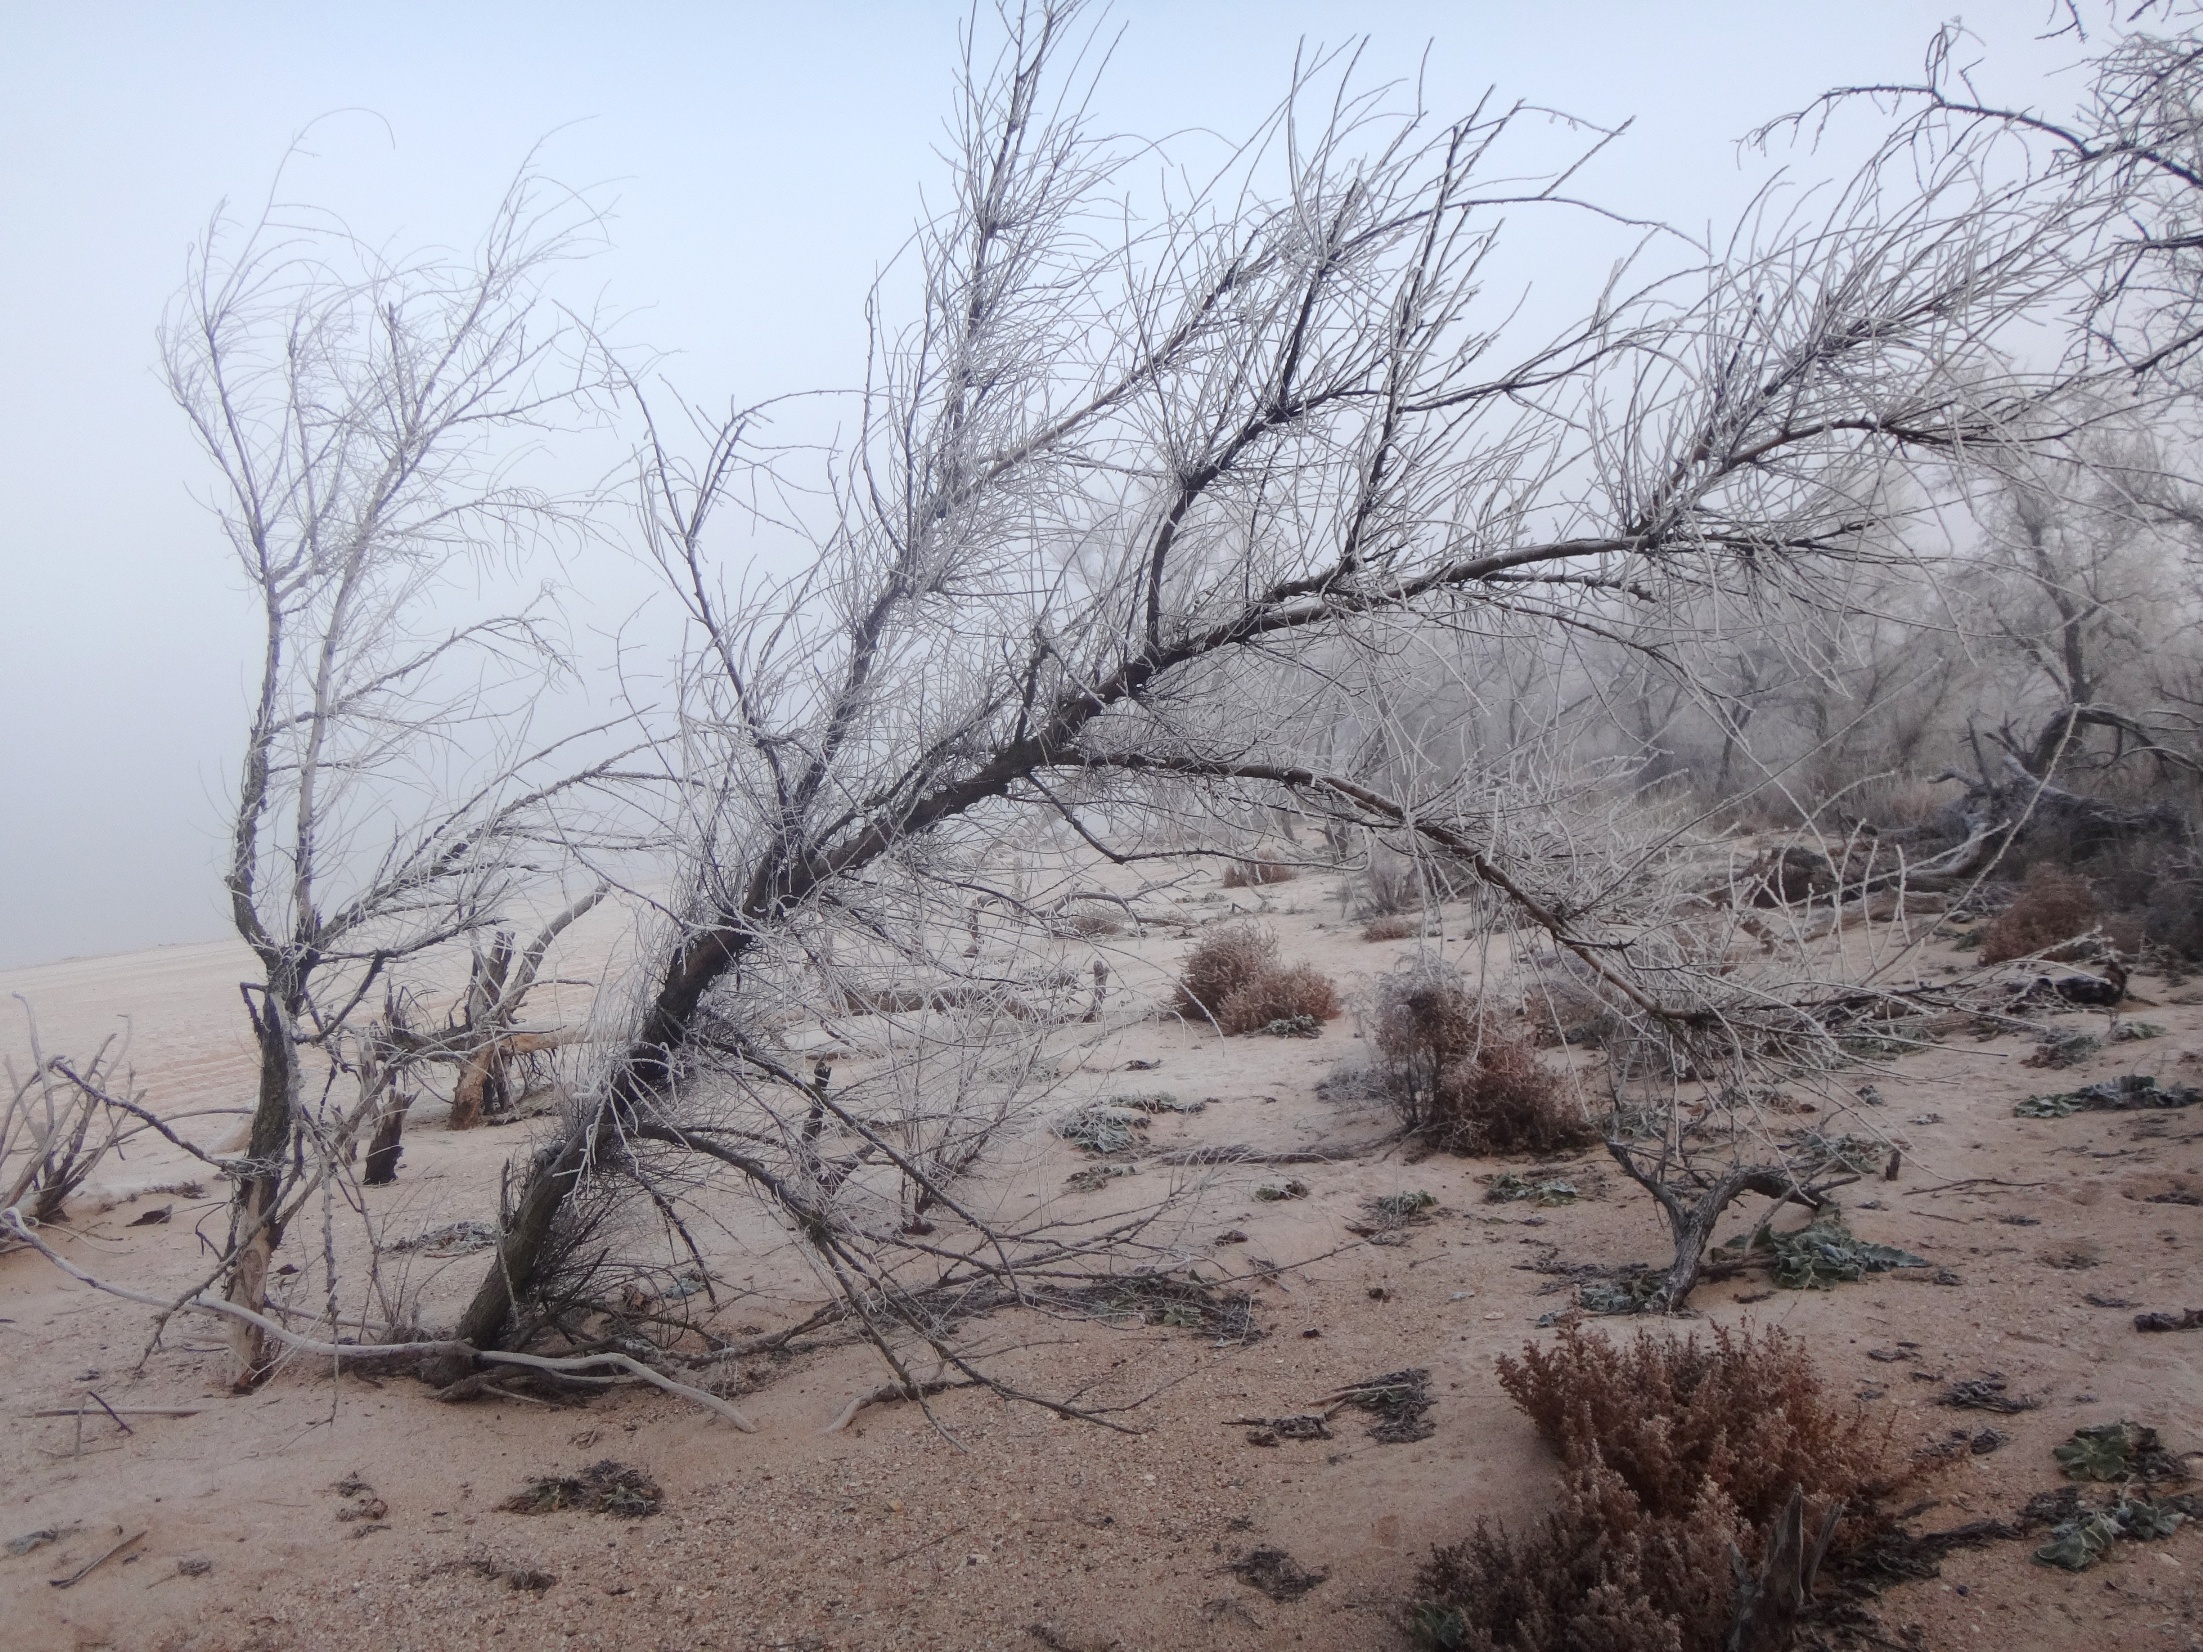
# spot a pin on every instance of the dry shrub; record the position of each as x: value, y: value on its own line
x: 2053, y: 905
x: 1462, y: 1078
x: 1225, y: 960
x: 1675, y: 1451
x: 1502, y: 1099
x: 2151, y: 893
x: 1597, y: 1578
x: 1427, y: 1017
x: 1278, y: 995
x: 1397, y: 927
x: 1669, y: 1413
x: 1392, y: 884
x: 2172, y: 912
x: 1249, y: 874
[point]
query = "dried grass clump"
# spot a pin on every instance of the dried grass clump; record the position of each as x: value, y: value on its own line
x: 1225, y: 961
x: 2053, y: 905
x: 1398, y: 927
x: 1274, y: 995
x: 1250, y: 874
x: 606, y: 1487
x: 1463, y: 1078
x: 1392, y: 884
x: 1675, y: 1451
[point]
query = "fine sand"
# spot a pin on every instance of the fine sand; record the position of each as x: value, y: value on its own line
x: 320, y: 1513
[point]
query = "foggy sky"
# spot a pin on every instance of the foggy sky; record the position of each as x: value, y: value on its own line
x: 765, y: 161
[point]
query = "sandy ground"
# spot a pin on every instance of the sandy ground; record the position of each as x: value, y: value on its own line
x: 319, y: 1513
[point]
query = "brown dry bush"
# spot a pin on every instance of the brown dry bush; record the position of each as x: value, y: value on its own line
x: 1397, y: 927
x: 1249, y: 874
x: 1675, y: 1450
x: 1502, y: 1099
x: 1597, y: 1577
x: 2053, y: 905
x: 1463, y: 1078
x: 1279, y: 995
x: 1427, y: 1017
x: 1667, y: 1413
x: 1225, y: 960
x: 1561, y: 1009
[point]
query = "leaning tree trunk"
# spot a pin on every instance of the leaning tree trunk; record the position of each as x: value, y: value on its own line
x: 255, y: 1226
x: 388, y: 1107
x: 642, y: 1073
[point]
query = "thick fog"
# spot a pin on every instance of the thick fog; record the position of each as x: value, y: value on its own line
x: 760, y: 163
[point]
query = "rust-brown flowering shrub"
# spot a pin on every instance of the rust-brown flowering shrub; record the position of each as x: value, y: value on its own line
x: 1675, y: 1450
x: 1667, y: 1412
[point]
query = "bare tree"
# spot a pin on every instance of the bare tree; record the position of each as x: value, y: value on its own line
x: 1122, y: 466
x: 367, y: 418
x: 2123, y: 168
x: 56, y: 1126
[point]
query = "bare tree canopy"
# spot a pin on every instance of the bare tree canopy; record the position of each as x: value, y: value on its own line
x: 1173, y: 495
x: 361, y: 414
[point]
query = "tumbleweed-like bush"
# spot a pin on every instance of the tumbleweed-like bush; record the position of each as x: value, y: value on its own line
x: 1462, y: 1077
x: 1225, y: 961
x: 1281, y: 994
x: 1501, y: 1099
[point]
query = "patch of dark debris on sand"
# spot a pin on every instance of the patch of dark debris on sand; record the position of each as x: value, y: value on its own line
x: 601, y: 1488
x: 1399, y: 1400
x: 1275, y: 1573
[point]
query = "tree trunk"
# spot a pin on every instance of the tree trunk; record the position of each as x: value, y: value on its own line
x: 254, y: 1228
x: 520, y: 1251
x: 1693, y: 1224
x: 388, y: 1142
x: 480, y: 1092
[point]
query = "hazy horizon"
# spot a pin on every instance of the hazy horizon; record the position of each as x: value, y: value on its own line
x: 764, y: 164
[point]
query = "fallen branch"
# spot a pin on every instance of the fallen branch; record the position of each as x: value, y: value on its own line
x: 1969, y: 1181
x: 895, y: 1391
x: 90, y: 1566
x: 118, y: 1411
x: 12, y: 1219
x: 1249, y: 1155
